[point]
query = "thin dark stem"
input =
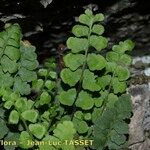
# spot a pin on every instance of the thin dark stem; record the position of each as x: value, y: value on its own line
x: 60, y: 62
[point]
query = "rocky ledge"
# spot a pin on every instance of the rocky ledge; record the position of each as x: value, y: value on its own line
x: 139, y: 138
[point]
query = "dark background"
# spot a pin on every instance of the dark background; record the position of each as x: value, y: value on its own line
x: 47, y: 28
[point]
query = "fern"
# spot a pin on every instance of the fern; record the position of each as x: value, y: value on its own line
x: 86, y: 101
x: 64, y: 132
x: 97, y: 83
x: 18, y: 61
x: 109, y: 129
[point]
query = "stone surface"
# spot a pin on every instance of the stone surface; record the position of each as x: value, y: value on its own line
x: 140, y: 122
x: 139, y: 136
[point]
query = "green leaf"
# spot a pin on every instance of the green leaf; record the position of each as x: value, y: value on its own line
x: 117, y: 140
x: 121, y: 127
x: 98, y: 42
x: 53, y: 74
x: 12, y: 52
x: 24, y: 139
x: 89, y: 12
x: 112, y: 99
x: 6, y: 80
x: 16, y: 44
x: 98, y: 17
x: 1, y: 71
x: 14, y: 117
x: 14, y: 96
x: 30, y: 104
x: 9, y: 43
x: 111, y: 123
x: 28, y: 51
x: 80, y: 125
x: 30, y: 115
x: 8, y: 64
x: 98, y: 101
x: 9, y: 48
x: 96, y: 114
x: 74, y: 61
x: 2, y: 113
x: 1, y: 52
x: 45, y: 98
x: 21, y: 104
x: 118, y: 49
x: 80, y: 30
x: 14, y: 139
x: 50, y: 84
x: 104, y: 81
x: 6, y: 94
x: 125, y: 101
x: 98, y: 29
x: 12, y: 29
x: 46, y: 124
x: 67, y: 97
x: 89, y: 82
x: 112, y: 56
x: 104, y: 127
x: 8, y: 104
x: 122, y: 73
x: 22, y: 87
x: 77, y: 44
x: 3, y: 128
x: 46, y: 139
x: 85, y: 19
x: 78, y: 114
x: 127, y: 45
x: 65, y: 131
x: 111, y: 66
x: 27, y: 75
x: 119, y: 87
x: 37, y: 84
x: 15, y: 36
x: 96, y: 62
x: 125, y: 59
x: 2, y: 43
x: 30, y: 65
x: 84, y: 101
x: 37, y: 130
x: 65, y: 118
x: 87, y: 116
x: 42, y: 72
x: 46, y: 115
x: 70, y: 77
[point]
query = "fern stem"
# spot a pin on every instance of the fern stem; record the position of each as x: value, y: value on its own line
x: 83, y: 68
x: 25, y: 124
x: 109, y: 89
x: 41, y: 90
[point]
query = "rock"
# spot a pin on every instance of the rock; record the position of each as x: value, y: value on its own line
x: 45, y: 3
x: 140, y: 122
x: 139, y: 136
